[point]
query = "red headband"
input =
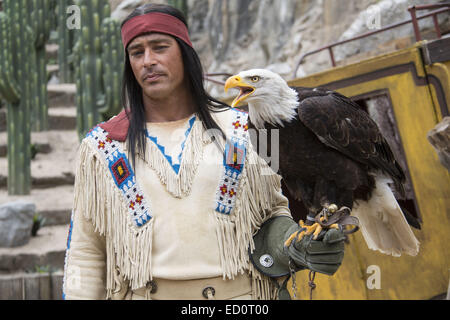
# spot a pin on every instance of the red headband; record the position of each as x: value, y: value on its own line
x: 154, y: 22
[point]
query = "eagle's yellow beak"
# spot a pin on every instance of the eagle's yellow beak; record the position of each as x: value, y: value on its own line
x: 245, y: 89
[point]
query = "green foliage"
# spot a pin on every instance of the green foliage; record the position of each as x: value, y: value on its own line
x: 38, y: 222
x: 34, y: 150
x: 43, y: 269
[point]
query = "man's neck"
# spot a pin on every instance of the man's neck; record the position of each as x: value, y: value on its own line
x: 170, y: 109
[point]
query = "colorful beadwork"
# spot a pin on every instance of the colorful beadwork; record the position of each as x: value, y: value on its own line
x: 124, y: 178
x: 122, y: 173
x: 233, y: 162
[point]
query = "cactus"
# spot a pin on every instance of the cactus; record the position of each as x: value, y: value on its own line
x: 24, y: 29
x: 99, y: 64
x: 66, y: 42
x: 89, y: 63
x: 180, y: 5
x: 113, y: 61
x: 40, y: 12
x: 16, y: 43
x: 9, y: 89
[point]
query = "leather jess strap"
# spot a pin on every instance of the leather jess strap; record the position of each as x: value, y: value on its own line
x: 341, y: 217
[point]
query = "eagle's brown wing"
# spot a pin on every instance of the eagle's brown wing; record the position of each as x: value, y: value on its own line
x: 339, y: 123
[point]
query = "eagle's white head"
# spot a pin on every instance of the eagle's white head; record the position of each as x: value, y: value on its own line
x: 269, y: 97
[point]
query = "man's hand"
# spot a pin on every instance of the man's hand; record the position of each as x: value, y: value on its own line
x: 323, y: 255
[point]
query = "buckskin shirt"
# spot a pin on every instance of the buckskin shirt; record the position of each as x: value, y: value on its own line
x: 188, y: 211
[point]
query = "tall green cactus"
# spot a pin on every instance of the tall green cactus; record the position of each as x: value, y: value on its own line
x: 112, y: 61
x: 89, y: 63
x: 16, y: 43
x: 9, y: 89
x: 66, y: 42
x: 40, y: 12
x: 99, y: 65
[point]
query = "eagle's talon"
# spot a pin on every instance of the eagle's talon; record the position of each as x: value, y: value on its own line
x: 312, y: 229
x: 288, y: 242
x: 316, y: 233
x: 300, y: 236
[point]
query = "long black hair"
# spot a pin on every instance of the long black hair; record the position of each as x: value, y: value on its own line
x: 132, y: 98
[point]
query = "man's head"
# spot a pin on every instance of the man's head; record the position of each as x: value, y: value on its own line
x: 160, y: 58
x: 157, y: 65
x: 154, y: 37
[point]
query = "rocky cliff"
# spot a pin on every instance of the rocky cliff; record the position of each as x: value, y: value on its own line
x: 232, y: 35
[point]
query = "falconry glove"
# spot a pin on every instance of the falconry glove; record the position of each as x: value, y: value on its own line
x: 271, y: 257
x: 324, y: 255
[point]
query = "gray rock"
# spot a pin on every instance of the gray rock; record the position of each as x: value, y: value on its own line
x: 380, y: 15
x: 283, y: 69
x: 238, y: 35
x: 231, y: 36
x: 16, y: 221
x: 124, y: 8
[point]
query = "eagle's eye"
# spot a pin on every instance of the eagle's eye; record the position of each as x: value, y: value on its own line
x: 255, y: 79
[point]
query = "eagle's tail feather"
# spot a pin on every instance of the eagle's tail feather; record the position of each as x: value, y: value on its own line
x: 383, y: 224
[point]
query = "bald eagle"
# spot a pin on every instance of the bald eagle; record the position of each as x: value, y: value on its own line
x: 331, y: 154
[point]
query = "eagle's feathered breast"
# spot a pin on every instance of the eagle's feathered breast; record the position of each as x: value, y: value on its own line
x: 332, y: 140
x: 307, y: 159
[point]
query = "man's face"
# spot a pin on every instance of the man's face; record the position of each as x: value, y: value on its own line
x: 157, y: 64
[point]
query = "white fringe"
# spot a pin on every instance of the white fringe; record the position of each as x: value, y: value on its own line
x: 235, y: 231
x: 128, y: 246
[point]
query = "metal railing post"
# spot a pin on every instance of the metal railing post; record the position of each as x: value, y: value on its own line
x: 412, y: 11
x: 436, y: 26
x: 333, y: 62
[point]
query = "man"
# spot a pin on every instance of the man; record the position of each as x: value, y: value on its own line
x: 178, y: 220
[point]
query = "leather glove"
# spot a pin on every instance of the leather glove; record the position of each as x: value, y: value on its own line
x: 324, y: 255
